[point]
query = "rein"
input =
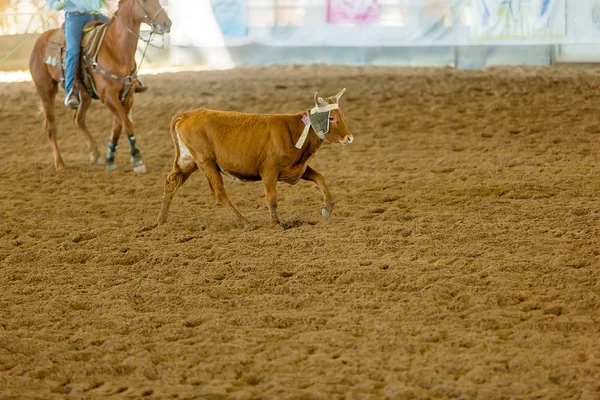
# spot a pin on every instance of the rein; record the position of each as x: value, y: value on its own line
x: 126, y: 80
x: 28, y: 37
x: 151, y: 23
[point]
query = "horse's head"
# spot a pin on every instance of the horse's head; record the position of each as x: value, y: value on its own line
x: 152, y: 13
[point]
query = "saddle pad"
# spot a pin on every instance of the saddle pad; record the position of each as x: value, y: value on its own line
x: 90, y: 42
x: 56, y: 44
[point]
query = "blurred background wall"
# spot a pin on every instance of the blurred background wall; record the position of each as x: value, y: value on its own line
x: 457, y: 33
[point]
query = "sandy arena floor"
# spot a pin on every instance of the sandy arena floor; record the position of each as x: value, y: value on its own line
x: 461, y: 261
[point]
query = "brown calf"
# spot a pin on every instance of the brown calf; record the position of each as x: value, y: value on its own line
x: 253, y: 147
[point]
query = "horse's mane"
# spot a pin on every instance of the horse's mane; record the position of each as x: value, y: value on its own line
x: 119, y: 5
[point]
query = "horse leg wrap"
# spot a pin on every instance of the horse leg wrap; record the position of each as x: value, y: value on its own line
x: 136, y: 159
x: 133, y: 150
x: 110, y: 156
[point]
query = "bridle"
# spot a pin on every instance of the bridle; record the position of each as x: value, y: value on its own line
x: 128, y: 80
x: 148, y: 20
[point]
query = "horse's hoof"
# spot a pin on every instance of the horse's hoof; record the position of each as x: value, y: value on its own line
x: 96, y: 160
x: 110, y: 167
x: 326, y: 213
x: 140, y: 169
x: 138, y: 165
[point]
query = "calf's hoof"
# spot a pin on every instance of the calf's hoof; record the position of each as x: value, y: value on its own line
x: 59, y: 164
x: 148, y: 228
x: 326, y: 213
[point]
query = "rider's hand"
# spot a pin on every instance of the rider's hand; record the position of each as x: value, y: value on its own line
x: 59, y: 5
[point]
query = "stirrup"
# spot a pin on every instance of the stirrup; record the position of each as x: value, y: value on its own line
x: 73, y: 100
x: 140, y: 87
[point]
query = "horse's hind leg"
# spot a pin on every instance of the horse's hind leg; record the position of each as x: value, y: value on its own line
x: 47, y: 91
x: 86, y: 100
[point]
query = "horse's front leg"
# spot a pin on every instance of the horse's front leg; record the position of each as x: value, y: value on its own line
x: 111, y: 151
x: 136, y: 157
x: 121, y: 123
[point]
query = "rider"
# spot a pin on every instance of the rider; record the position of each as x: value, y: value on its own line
x: 77, y: 14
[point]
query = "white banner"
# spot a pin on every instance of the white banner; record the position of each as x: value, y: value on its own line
x: 405, y: 23
x: 499, y: 19
x: 352, y: 11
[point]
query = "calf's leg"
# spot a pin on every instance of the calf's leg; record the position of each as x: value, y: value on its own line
x: 215, y: 180
x: 174, y: 180
x: 314, y: 176
x: 270, y: 182
x: 212, y: 191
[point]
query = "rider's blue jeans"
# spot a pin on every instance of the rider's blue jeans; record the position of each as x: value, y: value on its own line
x: 74, y: 24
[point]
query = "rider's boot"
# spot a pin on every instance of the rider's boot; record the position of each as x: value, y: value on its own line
x: 72, y: 100
x: 140, y: 87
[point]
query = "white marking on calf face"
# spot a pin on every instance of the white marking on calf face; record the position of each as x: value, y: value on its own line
x: 185, y: 157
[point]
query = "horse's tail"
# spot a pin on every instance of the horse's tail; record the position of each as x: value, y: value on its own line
x: 175, y: 137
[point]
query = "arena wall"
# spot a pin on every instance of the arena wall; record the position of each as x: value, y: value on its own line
x: 439, y: 33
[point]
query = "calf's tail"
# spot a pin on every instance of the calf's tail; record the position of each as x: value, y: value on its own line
x: 174, y: 136
x: 175, y: 178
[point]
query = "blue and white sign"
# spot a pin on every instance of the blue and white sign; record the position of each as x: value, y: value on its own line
x: 498, y: 19
x: 230, y: 16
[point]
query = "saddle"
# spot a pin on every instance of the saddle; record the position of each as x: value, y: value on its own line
x: 93, y: 36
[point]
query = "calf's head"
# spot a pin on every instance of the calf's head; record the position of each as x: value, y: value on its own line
x: 338, y: 131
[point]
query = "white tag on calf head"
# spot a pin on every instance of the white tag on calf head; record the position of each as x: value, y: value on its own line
x: 304, y: 134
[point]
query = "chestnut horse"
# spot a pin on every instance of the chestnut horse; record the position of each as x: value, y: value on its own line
x: 116, y: 57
